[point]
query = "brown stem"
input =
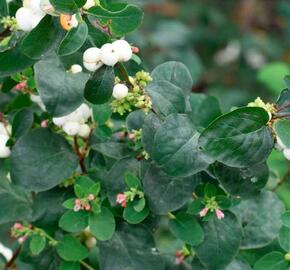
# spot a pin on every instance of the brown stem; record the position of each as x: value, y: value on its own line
x: 283, y: 107
x: 281, y: 116
x: 80, y: 155
x: 12, y: 260
x: 282, y: 181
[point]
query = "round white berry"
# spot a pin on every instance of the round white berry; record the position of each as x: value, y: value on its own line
x: 59, y: 121
x: 286, y: 153
x: 76, y: 69
x: 4, y: 150
x: 91, y: 242
x: 35, y: 19
x: 120, y: 91
x: 84, y: 131
x: 109, y: 55
x: 89, y: 4
x: 35, y: 7
x: 23, y: 17
x: 280, y: 144
x: 71, y: 128
x: 92, y: 55
x: 124, y: 50
x: 86, y: 111
x: 92, y: 67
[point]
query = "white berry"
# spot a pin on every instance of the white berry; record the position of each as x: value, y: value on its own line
x: 92, y: 67
x: 92, y: 55
x: 4, y: 150
x: 120, y: 91
x: 59, y: 121
x: 286, y: 153
x: 84, y: 131
x: 109, y: 55
x: 86, y: 111
x: 35, y: 7
x: 124, y: 50
x: 89, y: 4
x: 76, y: 69
x: 71, y: 128
x: 35, y: 19
x: 23, y: 17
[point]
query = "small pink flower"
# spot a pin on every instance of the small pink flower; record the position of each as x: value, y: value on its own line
x: 20, y: 86
x: 21, y: 240
x: 88, y: 207
x: 78, y: 202
x: 121, y: 199
x: 91, y: 197
x: 44, y: 124
x: 203, y: 212
x: 135, y: 49
x: 18, y: 226
x: 179, y: 257
x: 131, y: 136
x: 219, y: 214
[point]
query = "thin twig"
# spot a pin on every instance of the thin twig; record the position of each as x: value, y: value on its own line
x: 80, y: 155
x: 282, y: 181
x: 12, y: 260
x: 283, y: 107
x: 281, y: 116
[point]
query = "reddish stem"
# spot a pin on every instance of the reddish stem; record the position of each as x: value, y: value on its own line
x: 283, y: 107
x: 80, y: 155
x: 281, y: 116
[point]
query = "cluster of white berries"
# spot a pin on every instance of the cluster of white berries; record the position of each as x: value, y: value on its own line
x: 5, y: 131
x: 109, y: 54
x: 75, y: 122
x: 29, y: 15
x: 89, y: 4
x: 282, y: 147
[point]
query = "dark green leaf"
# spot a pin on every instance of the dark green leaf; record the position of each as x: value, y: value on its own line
x: 22, y: 122
x: 272, y: 261
x: 70, y: 266
x: 65, y: 6
x: 284, y: 238
x: 73, y: 221
x: 285, y: 218
x: 37, y: 244
x: 282, y: 129
x: 132, y: 181
x: 102, y: 113
x: 135, y: 120
x: 132, y: 216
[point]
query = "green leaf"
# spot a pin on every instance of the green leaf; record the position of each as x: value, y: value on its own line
x: 221, y: 243
x: 96, y: 36
x: 175, y: 73
x: 165, y: 194
x: 135, y: 120
x: 284, y: 238
x: 69, y: 204
x: 85, y: 184
x: 60, y: 91
x: 175, y: 147
x: 42, y: 39
x: 238, y: 264
x: 70, y: 266
x: 73, y: 40
x: 71, y: 249
x: 102, y: 225
x: 285, y: 218
x: 65, y: 6
x: 130, y: 248
x: 272, y: 261
x: 22, y: 122
x: 261, y: 211
x: 102, y: 113
x: 139, y: 204
x: 132, y: 181
x: 99, y: 88
x: 204, y: 109
x: 37, y: 244
x: 74, y: 222
x: 284, y: 100
x: 166, y: 98
x: 240, y: 138
x: 120, y: 22
x: 40, y: 166
x: 245, y: 182
x: 134, y: 217
x: 282, y: 129
x: 115, y: 150
x: 186, y: 228
x: 8, y: 60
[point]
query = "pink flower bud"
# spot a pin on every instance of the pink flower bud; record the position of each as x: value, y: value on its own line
x: 219, y: 214
x: 203, y: 212
x: 88, y: 207
x: 18, y: 226
x: 179, y: 257
x: 78, y: 202
x: 20, y: 86
x: 44, y: 124
x: 121, y: 199
x: 131, y: 136
x: 135, y: 49
x: 21, y: 240
x: 91, y: 197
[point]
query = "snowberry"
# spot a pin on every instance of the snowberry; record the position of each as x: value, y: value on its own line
x: 92, y: 67
x: 59, y: 121
x: 92, y: 55
x: 71, y: 128
x: 23, y: 18
x: 35, y: 19
x: 84, y: 131
x: 286, y: 153
x: 123, y: 48
x: 86, y: 111
x: 4, y: 150
x: 91, y: 242
x: 76, y: 69
x: 120, y: 91
x: 109, y: 55
x: 89, y: 4
x: 34, y: 5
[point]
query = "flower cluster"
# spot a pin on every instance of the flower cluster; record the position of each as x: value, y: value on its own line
x: 75, y: 123
x: 109, y: 54
x: 123, y: 198
x: 270, y: 108
x: 212, y: 206
x: 84, y: 204
x: 137, y: 97
x: 20, y: 232
x: 5, y: 131
x: 9, y: 23
x: 29, y: 16
x: 180, y: 255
